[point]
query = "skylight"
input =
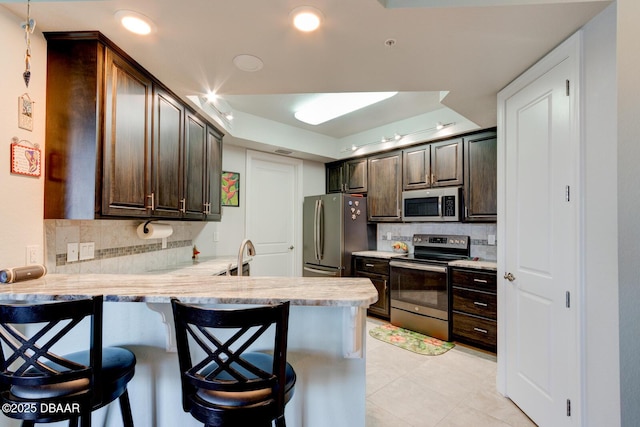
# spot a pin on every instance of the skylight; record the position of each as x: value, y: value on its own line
x: 328, y: 106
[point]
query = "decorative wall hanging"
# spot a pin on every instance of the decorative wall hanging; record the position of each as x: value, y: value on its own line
x: 25, y: 158
x: 25, y: 112
x: 230, y: 189
x: 28, y: 27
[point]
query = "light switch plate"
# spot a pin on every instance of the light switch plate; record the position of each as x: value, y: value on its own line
x: 72, y: 252
x: 33, y: 254
x: 491, y: 239
x: 87, y: 251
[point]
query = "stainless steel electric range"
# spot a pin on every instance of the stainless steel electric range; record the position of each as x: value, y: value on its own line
x: 419, y: 283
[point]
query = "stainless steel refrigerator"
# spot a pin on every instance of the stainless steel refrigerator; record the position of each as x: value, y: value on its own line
x: 334, y: 226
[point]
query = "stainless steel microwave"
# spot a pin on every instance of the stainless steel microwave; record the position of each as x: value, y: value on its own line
x: 434, y: 204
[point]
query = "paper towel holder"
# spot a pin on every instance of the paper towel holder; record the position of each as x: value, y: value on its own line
x: 145, y: 228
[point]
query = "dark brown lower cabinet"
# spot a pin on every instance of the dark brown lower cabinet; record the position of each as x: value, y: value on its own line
x: 377, y: 270
x: 474, y: 307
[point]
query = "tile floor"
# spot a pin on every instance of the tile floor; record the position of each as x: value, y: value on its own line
x: 455, y: 389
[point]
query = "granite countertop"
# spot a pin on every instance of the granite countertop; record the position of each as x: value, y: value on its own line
x: 203, y: 266
x: 197, y: 288
x: 480, y: 265
x: 379, y: 254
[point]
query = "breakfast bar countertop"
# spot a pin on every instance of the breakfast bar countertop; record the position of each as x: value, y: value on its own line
x: 326, y: 333
x: 196, y: 288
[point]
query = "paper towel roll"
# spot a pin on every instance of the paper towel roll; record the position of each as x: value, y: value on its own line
x: 156, y: 230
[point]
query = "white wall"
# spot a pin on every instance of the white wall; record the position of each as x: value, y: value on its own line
x: 231, y: 230
x: 21, y: 206
x: 628, y: 69
x: 602, y: 386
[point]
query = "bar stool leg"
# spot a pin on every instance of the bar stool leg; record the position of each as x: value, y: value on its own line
x: 125, y: 409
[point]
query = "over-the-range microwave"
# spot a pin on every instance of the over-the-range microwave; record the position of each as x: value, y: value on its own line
x: 434, y: 204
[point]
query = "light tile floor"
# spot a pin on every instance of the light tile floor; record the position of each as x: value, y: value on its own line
x: 455, y: 389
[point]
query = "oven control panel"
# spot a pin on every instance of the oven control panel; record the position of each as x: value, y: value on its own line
x: 442, y: 241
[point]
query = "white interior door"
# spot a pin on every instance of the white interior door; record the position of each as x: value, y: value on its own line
x: 273, y: 213
x: 541, y: 220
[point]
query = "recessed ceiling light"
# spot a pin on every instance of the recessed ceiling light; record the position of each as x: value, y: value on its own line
x: 248, y: 63
x: 306, y: 18
x: 328, y: 106
x: 135, y: 22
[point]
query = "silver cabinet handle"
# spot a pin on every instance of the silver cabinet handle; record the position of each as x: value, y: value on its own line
x: 510, y: 277
x: 152, y: 205
x: 484, y: 331
x: 183, y: 205
x: 368, y: 265
x: 481, y: 304
x: 412, y: 266
x: 480, y: 280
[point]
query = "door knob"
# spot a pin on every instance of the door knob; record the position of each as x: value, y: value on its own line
x: 510, y: 277
x: 291, y: 247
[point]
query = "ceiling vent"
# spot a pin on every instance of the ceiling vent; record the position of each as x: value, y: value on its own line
x: 282, y: 151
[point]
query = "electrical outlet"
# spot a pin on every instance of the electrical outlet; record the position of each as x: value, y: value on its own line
x: 72, y: 252
x: 87, y: 251
x: 388, y: 235
x: 33, y: 254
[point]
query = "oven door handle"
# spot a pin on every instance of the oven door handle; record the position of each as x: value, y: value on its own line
x: 415, y: 266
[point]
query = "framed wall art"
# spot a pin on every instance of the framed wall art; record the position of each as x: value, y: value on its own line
x: 230, y: 189
x: 25, y: 112
x: 25, y: 158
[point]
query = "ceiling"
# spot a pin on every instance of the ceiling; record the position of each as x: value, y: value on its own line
x: 470, y: 48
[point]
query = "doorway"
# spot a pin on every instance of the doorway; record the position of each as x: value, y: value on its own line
x: 539, y: 221
x: 273, y: 213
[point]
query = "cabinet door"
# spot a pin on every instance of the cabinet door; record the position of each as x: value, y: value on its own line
x: 385, y: 183
x: 480, y: 178
x: 335, y: 180
x: 127, y: 144
x: 416, y: 167
x: 195, y: 167
x: 213, y: 176
x: 356, y: 178
x: 446, y: 163
x: 381, y: 307
x: 167, y: 155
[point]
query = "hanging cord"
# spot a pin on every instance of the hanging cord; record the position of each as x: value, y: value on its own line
x: 29, y: 26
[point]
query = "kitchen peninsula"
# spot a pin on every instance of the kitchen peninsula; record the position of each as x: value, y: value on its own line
x: 326, y: 336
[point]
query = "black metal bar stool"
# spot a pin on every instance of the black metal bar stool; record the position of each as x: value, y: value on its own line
x: 39, y: 385
x: 223, y: 384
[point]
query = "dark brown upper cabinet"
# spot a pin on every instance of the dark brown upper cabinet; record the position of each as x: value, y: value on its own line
x: 127, y: 139
x: 385, y: 185
x: 348, y: 176
x: 203, y: 163
x: 438, y: 164
x: 480, y: 177
x: 118, y: 141
x: 168, y: 155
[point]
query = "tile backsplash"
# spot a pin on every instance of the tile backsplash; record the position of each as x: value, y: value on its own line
x: 479, y: 234
x: 118, y: 249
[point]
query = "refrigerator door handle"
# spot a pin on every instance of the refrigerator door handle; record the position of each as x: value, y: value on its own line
x: 315, y: 228
x: 323, y: 272
x: 320, y: 230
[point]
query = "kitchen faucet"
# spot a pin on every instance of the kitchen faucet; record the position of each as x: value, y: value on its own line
x: 251, y: 250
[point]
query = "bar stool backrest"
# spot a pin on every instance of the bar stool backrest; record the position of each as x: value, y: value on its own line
x: 210, y: 362
x: 30, y: 362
